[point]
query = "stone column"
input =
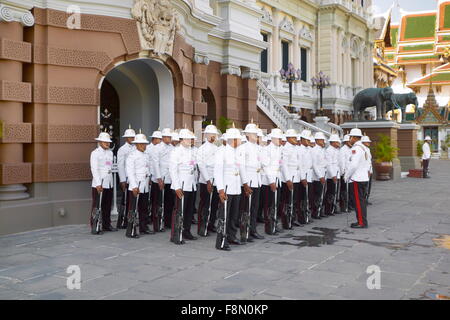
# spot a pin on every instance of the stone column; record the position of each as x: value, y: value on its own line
x: 276, y: 45
x: 199, y: 70
x: 14, y: 172
x: 407, y: 144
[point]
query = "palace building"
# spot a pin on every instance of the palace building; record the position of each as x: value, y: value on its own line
x: 418, y: 50
x: 71, y: 68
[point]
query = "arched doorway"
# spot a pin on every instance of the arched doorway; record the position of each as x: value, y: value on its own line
x: 144, y: 89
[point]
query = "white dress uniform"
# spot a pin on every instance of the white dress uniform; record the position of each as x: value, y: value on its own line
x: 229, y: 170
x: 426, y: 151
x: 122, y: 155
x: 162, y: 152
x: 182, y: 168
x: 358, y: 175
x: 272, y: 165
x: 319, y: 162
x: 206, y: 160
x: 344, y: 157
x: 138, y: 171
x: 152, y: 151
x: 305, y: 163
x: 101, y: 166
x: 290, y: 160
x: 332, y: 159
x: 252, y: 162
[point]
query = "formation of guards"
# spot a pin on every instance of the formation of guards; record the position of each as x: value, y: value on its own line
x: 243, y: 178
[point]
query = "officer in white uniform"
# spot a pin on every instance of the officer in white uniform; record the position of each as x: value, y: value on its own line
x: 366, y: 142
x: 262, y: 142
x: 175, y: 139
x: 290, y: 164
x: 358, y: 176
x: 253, y: 165
x: 122, y: 155
x: 272, y: 165
x: 209, y: 198
x: 230, y: 176
x: 344, y: 157
x: 102, y: 179
x: 333, y: 175
x: 305, y: 159
x: 318, y: 175
x: 426, y: 156
x: 182, y: 172
x: 138, y: 172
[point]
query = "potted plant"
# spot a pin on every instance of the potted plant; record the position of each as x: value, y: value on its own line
x: 383, y: 154
x: 445, y: 144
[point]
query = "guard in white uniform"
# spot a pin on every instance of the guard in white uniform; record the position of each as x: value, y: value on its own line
x: 102, y: 179
x: 272, y: 165
x: 156, y: 182
x: 358, y: 176
x: 162, y: 154
x: 290, y: 164
x: 344, y: 157
x: 209, y: 198
x: 253, y: 165
x: 138, y: 172
x: 426, y: 156
x: 182, y: 172
x: 175, y: 139
x: 366, y: 142
x: 318, y: 175
x: 262, y: 142
x: 305, y: 173
x: 122, y: 155
x: 333, y: 175
x: 229, y: 176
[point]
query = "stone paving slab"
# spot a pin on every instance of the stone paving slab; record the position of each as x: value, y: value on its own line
x: 323, y: 260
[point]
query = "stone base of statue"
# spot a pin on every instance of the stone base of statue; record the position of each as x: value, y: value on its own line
x: 373, y: 129
x: 407, y: 144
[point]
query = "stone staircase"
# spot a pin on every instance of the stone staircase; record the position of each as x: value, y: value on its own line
x: 286, y: 120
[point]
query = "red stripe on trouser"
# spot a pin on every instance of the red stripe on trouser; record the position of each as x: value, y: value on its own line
x: 358, y: 204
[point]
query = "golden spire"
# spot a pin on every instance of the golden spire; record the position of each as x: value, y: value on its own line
x: 140, y: 130
x: 129, y: 126
x: 234, y: 125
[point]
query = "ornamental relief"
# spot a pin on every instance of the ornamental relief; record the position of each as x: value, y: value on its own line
x: 157, y: 24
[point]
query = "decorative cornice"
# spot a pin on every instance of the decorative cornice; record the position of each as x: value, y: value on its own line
x: 9, y: 14
x: 230, y: 69
x: 251, y: 74
x: 201, y: 58
x: 287, y: 25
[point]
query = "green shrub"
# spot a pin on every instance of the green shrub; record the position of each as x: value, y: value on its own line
x: 223, y: 124
x: 419, y: 148
x: 383, y: 151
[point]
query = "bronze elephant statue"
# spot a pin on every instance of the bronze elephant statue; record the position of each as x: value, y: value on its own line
x: 373, y: 97
x: 402, y: 100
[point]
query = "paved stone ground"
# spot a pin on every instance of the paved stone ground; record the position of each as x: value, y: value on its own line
x: 324, y: 260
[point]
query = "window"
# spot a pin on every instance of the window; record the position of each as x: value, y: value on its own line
x: 304, y: 64
x: 285, y: 54
x: 264, y: 66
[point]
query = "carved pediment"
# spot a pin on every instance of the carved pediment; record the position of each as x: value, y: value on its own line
x: 157, y: 24
x: 287, y: 25
x: 306, y: 34
x: 266, y: 16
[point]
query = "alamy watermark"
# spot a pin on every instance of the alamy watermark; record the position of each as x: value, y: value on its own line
x: 74, y: 20
x: 74, y: 280
x: 374, y: 280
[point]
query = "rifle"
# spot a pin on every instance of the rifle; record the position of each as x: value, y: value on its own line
x: 245, y: 219
x: 307, y: 209
x: 122, y: 211
x: 369, y: 188
x: 320, y: 207
x: 149, y: 206
x: 133, y: 222
x: 290, y: 211
x: 274, y: 221
x: 160, y: 215
x: 209, y: 210
x: 96, y: 223
x: 336, y: 190
x: 346, y: 200
x: 222, y: 226
x: 177, y: 236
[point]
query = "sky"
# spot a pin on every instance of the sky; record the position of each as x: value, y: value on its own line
x: 381, y: 6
